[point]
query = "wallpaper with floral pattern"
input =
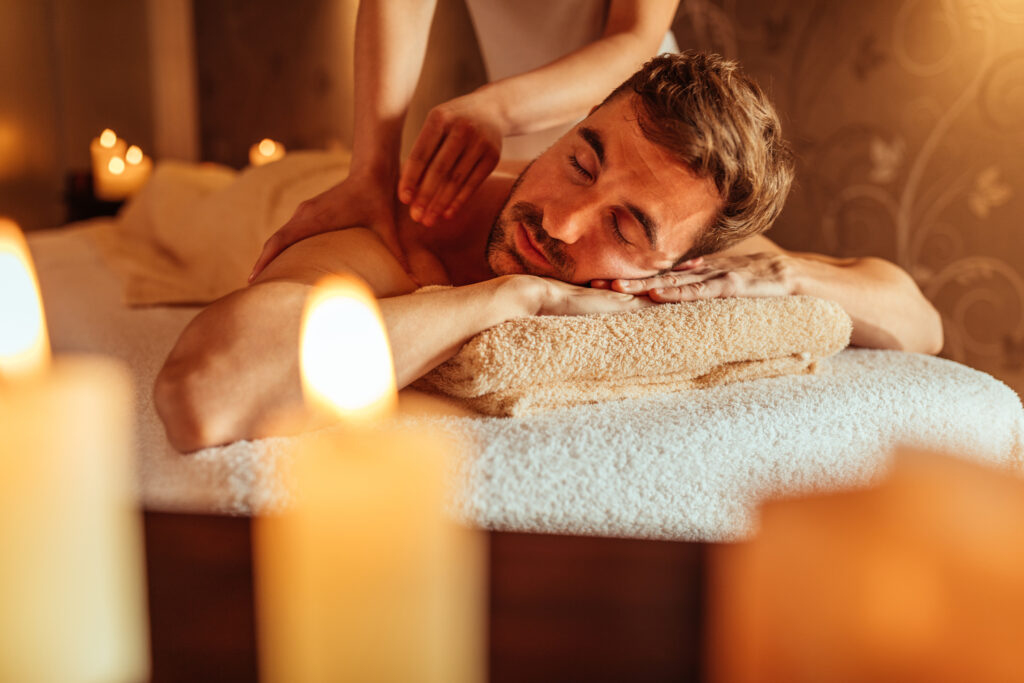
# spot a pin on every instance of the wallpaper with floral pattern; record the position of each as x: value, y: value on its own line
x: 908, y: 120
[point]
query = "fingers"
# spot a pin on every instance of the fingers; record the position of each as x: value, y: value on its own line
x: 673, y: 279
x: 438, y: 172
x: 298, y: 227
x: 696, y: 283
x: 479, y: 174
x: 423, y: 150
x: 451, y: 158
x: 271, y: 248
x: 451, y: 184
x: 719, y: 287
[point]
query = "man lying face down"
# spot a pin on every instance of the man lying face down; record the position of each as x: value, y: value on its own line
x: 659, y: 195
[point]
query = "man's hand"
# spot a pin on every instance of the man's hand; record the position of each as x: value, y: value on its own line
x: 711, y: 277
x: 547, y: 296
x: 458, y: 147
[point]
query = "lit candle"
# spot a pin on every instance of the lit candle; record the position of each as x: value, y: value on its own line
x: 919, y: 578
x: 103, y: 148
x: 265, y: 151
x: 123, y: 176
x: 363, y: 578
x: 72, y: 586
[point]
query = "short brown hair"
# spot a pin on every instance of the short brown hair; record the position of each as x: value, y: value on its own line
x: 717, y: 121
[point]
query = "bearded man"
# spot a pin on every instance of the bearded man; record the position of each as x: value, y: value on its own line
x: 660, y: 195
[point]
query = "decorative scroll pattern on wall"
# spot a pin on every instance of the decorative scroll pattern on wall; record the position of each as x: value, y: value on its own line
x: 908, y: 121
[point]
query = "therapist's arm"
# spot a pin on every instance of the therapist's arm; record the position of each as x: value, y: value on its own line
x: 390, y: 44
x: 566, y: 89
x: 460, y: 142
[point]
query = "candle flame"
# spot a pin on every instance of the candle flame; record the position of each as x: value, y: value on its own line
x: 133, y: 155
x: 108, y: 138
x: 116, y: 165
x: 267, y: 147
x: 345, y: 356
x: 24, y: 345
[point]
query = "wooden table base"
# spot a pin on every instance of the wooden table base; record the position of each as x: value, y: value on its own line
x: 562, y: 608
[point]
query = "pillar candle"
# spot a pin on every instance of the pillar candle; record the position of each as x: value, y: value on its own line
x: 72, y: 584
x: 363, y: 577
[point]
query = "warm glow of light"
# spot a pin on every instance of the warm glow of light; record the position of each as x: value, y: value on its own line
x: 133, y: 155
x: 108, y: 138
x: 116, y: 165
x: 24, y: 345
x: 345, y: 355
x: 267, y: 147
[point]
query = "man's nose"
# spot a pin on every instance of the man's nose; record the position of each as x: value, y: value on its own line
x: 569, y: 217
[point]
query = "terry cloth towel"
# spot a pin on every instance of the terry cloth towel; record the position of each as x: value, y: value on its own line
x: 192, y: 233
x: 528, y: 365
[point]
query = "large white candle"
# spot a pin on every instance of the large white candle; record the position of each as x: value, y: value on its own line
x: 72, y: 590
x: 363, y: 578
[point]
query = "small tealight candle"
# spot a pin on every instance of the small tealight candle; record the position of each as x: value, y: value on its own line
x: 72, y: 581
x: 363, y: 578
x: 265, y: 151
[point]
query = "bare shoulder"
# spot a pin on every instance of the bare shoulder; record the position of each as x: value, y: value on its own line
x: 355, y: 251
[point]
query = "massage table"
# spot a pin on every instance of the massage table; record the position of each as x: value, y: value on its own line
x: 689, y: 466
x: 553, y: 488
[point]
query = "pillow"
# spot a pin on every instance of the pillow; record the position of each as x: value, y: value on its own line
x: 528, y: 365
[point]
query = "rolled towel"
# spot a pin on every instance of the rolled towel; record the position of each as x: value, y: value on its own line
x: 528, y: 365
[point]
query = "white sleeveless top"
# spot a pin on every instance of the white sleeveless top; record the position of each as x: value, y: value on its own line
x: 516, y: 36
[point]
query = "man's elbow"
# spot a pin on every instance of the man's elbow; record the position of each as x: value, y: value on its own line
x: 191, y: 424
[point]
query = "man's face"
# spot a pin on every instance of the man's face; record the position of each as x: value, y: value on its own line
x: 603, y: 202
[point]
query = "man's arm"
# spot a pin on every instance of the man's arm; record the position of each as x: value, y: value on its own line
x: 236, y: 366
x: 887, y: 308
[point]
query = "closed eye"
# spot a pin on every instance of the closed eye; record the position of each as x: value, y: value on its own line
x: 580, y: 171
x: 617, y: 231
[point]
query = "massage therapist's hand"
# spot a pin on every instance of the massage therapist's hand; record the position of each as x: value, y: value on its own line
x: 364, y: 199
x: 711, y: 277
x: 458, y: 147
x: 359, y: 201
x: 547, y: 296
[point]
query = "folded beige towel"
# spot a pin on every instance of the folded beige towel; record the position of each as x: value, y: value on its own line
x: 192, y: 233
x: 528, y: 365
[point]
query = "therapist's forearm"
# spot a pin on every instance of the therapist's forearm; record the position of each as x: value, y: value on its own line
x: 390, y: 44
x: 566, y: 89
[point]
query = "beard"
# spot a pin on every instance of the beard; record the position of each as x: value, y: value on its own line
x: 502, y: 257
